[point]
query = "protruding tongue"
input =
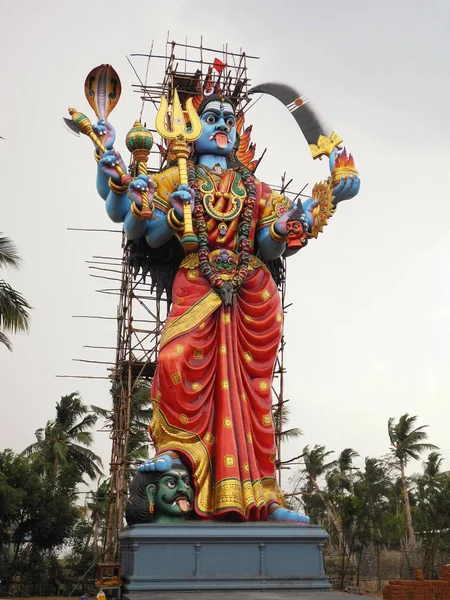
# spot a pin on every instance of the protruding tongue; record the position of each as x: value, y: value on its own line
x: 221, y: 140
x: 183, y: 504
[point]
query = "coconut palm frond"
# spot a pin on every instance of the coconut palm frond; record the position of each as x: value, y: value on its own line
x: 5, y: 341
x: 9, y: 257
x: 14, y: 309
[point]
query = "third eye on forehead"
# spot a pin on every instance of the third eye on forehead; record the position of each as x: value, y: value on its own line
x: 219, y: 108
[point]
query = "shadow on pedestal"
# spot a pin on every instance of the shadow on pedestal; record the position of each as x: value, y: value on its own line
x: 222, y: 556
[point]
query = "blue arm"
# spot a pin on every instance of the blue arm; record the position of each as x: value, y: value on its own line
x: 117, y: 206
x: 158, y: 232
x: 269, y: 248
x: 102, y: 183
x: 134, y: 228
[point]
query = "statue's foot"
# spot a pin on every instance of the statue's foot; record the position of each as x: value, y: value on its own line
x: 284, y: 514
x: 160, y: 463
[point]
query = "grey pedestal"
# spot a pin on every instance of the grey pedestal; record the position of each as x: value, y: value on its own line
x: 222, y: 556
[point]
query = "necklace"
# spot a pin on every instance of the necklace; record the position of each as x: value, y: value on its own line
x: 243, y: 245
x: 227, y: 191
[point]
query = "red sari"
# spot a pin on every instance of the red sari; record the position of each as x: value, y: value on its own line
x: 212, y: 387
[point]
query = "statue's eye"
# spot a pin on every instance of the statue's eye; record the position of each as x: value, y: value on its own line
x: 230, y: 121
x: 187, y: 483
x: 211, y: 119
x: 171, y: 484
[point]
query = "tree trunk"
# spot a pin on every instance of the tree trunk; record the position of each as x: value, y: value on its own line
x: 96, y: 527
x: 332, y: 516
x: 378, y: 566
x: 358, y: 566
x: 409, y: 524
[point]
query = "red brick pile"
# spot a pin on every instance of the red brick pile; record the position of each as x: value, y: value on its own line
x: 420, y: 589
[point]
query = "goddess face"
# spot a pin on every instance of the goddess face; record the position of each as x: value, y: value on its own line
x: 219, y: 129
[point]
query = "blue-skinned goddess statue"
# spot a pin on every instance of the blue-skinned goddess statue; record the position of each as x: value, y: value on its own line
x: 211, y: 393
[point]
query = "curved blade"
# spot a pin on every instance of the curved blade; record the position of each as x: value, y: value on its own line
x: 71, y: 126
x: 307, y: 120
x: 102, y: 89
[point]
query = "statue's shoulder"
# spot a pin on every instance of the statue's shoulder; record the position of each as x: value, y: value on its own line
x: 272, y: 205
x: 166, y: 182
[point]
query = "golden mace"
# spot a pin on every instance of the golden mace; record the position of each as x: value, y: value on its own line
x: 83, y: 124
x: 182, y: 136
x: 139, y: 141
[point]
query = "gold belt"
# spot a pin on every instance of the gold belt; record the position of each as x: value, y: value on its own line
x: 223, y: 262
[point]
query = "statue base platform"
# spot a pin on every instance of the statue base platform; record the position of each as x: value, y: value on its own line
x: 205, y: 555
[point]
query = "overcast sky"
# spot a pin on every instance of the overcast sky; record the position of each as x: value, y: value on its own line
x: 368, y: 331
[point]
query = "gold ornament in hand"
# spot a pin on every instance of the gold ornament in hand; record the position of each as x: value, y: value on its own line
x: 324, y: 208
x: 85, y: 126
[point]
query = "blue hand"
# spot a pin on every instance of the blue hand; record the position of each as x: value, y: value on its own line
x: 109, y: 161
x: 309, y: 205
x: 347, y: 188
x: 138, y: 186
x: 105, y: 132
x: 280, y: 224
x: 159, y: 464
x: 178, y: 199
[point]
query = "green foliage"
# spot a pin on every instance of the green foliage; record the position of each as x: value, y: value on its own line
x: 140, y: 417
x: 14, y: 309
x: 67, y: 438
x: 97, y: 503
x: 291, y: 433
x: 406, y: 441
x: 432, y: 512
x: 366, y: 509
x: 39, y: 513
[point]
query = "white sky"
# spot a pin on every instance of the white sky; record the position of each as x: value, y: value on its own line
x: 368, y: 334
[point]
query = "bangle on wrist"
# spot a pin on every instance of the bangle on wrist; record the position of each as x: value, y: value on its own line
x: 276, y: 236
x: 137, y: 214
x: 117, y: 189
x: 173, y: 222
x: 97, y: 156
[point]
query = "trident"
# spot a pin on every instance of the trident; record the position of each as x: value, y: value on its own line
x: 182, y: 136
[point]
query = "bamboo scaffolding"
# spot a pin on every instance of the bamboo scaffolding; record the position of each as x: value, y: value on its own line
x: 136, y: 347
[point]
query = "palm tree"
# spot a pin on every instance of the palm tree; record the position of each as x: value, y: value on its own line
x: 433, y: 511
x: 285, y: 434
x: 340, y: 478
x: 140, y: 416
x: 407, y: 442
x: 281, y: 416
x: 372, y: 487
x: 432, y: 472
x: 14, y: 309
x: 315, y: 467
x: 67, y: 439
x: 97, y: 502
